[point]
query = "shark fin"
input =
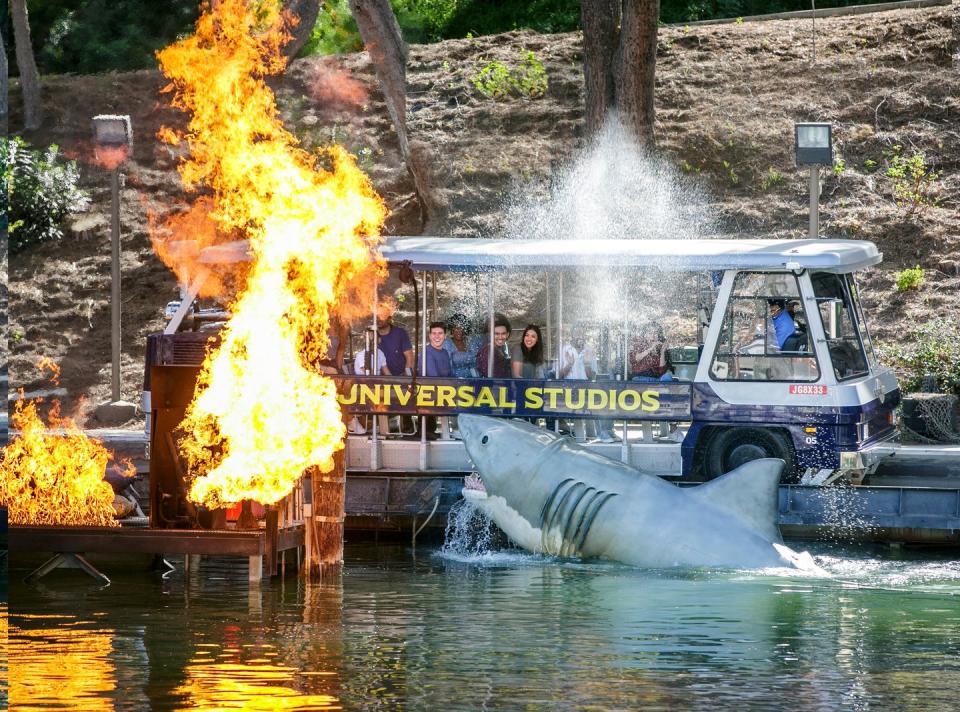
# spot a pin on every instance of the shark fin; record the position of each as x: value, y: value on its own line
x: 749, y: 493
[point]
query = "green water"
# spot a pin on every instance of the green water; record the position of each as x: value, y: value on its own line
x: 506, y: 630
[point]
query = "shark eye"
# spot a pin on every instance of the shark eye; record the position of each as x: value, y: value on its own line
x: 484, y: 439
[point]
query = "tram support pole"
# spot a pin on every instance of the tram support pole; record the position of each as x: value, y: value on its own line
x: 325, y: 538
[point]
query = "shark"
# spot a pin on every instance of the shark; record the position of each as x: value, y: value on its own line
x: 552, y: 496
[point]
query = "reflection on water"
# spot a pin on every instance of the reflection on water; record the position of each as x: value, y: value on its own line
x: 495, y: 631
x: 3, y: 654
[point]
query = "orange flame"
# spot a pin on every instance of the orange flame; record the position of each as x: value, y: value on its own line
x: 49, y: 478
x: 261, y: 414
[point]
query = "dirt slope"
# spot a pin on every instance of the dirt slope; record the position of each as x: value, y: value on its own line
x: 727, y: 97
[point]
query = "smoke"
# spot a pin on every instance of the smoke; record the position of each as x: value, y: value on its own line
x: 335, y: 88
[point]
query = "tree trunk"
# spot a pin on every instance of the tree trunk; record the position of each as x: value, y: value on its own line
x: 4, y: 110
x: 388, y: 52
x: 619, y: 59
x: 600, y: 20
x: 633, y: 69
x: 27, y: 67
x: 305, y: 12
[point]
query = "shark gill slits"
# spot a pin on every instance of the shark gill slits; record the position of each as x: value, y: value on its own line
x: 549, y: 502
x: 589, y: 515
x: 558, y: 506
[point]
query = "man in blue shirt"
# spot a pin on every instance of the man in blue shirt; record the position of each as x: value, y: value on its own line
x: 784, y: 327
x: 438, y: 358
x: 395, y: 344
x: 438, y: 366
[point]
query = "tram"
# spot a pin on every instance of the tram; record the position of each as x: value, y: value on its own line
x: 822, y: 402
x: 732, y: 393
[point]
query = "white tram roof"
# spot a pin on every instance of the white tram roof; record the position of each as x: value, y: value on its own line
x: 471, y: 254
x: 465, y: 254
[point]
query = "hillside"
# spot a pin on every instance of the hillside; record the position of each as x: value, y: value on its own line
x: 727, y: 97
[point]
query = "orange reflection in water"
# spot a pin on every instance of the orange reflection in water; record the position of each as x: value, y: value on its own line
x: 59, y: 662
x: 256, y: 683
x: 54, y: 665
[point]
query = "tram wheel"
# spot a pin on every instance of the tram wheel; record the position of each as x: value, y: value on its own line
x: 733, y: 447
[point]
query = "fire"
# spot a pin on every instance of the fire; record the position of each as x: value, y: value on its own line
x: 261, y: 414
x: 51, y: 478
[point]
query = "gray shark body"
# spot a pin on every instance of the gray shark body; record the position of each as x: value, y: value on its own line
x: 551, y: 496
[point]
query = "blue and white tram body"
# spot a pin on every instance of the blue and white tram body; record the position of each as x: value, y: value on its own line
x: 823, y: 404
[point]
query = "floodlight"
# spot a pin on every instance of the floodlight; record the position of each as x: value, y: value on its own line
x: 112, y: 130
x: 814, y: 144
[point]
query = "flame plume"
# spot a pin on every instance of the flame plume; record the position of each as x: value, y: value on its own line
x: 53, y: 479
x: 261, y: 413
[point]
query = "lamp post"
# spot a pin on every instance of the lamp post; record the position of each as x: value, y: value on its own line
x: 813, y: 143
x: 113, y: 139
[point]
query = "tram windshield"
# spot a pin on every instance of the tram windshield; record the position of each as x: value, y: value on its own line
x: 764, y: 335
x: 841, y: 324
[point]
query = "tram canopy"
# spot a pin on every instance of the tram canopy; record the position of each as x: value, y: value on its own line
x: 471, y: 254
x: 446, y: 254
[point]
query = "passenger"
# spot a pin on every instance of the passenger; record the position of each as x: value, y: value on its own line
x: 396, y: 346
x: 578, y: 361
x: 363, y: 364
x: 526, y: 357
x: 501, y: 355
x: 437, y: 357
x: 784, y: 328
x: 438, y: 366
x: 462, y: 348
x: 337, y: 337
x: 648, y: 354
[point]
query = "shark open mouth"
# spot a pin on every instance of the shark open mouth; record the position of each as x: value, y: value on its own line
x: 473, y: 486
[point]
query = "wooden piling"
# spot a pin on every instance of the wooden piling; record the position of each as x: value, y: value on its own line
x: 325, y: 524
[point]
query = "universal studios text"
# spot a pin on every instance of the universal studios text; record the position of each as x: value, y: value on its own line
x: 518, y: 397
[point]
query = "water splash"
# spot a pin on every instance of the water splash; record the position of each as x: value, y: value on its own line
x: 469, y: 533
x: 613, y: 190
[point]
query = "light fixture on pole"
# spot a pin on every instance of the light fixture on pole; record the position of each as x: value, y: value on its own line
x: 113, y: 139
x: 813, y: 143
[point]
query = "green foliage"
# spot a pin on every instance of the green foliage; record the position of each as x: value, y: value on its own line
x: 915, y: 185
x: 732, y: 175
x: 930, y: 348
x: 839, y: 167
x: 771, y: 178
x: 335, y: 31
x: 910, y: 278
x: 526, y: 79
x: 41, y: 190
x: 93, y: 36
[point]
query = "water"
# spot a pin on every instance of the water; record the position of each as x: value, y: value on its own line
x: 611, y: 190
x: 496, y: 630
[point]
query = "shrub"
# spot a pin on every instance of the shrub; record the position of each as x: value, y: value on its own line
x: 527, y: 79
x: 910, y: 278
x: 771, y: 178
x: 41, y: 190
x: 931, y: 348
x: 914, y: 182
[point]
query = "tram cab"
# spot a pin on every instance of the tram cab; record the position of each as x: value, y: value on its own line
x: 770, y: 355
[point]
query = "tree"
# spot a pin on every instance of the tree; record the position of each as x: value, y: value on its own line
x: 3, y: 87
x: 381, y: 34
x: 619, y: 58
x: 27, y: 67
x: 306, y: 13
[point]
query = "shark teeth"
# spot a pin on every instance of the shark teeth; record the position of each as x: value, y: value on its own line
x: 474, y: 482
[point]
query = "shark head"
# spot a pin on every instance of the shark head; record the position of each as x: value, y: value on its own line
x: 506, y: 454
